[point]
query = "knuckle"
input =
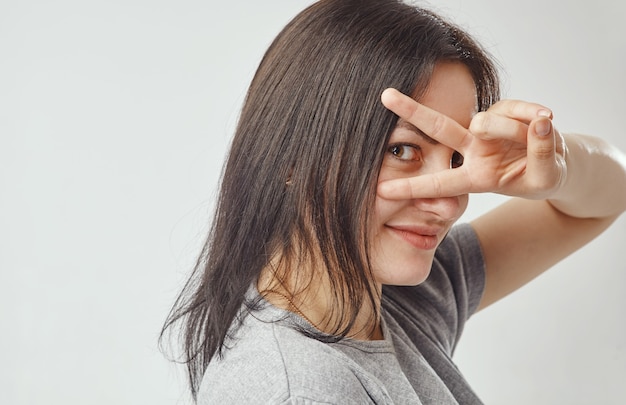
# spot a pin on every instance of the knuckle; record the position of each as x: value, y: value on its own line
x: 438, y: 125
x: 480, y: 123
x: 437, y: 187
x: 543, y: 152
x: 497, y: 105
x: 515, y: 107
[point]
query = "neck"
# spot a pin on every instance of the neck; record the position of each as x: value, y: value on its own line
x: 317, y: 304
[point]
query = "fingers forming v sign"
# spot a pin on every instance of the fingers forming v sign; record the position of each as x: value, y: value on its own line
x: 510, y: 149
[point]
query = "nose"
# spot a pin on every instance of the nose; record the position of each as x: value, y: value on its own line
x: 442, y: 158
x: 444, y: 208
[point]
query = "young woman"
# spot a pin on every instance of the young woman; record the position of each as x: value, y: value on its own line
x: 334, y: 272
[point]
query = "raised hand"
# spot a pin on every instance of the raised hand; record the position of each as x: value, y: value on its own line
x: 510, y: 149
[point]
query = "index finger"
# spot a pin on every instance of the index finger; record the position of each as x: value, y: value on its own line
x: 523, y: 111
x: 433, y: 123
x: 446, y: 183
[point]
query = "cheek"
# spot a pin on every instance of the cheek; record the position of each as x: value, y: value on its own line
x: 383, y: 210
x: 463, y: 202
x: 449, y: 209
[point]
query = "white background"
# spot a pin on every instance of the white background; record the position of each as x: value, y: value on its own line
x: 114, y: 121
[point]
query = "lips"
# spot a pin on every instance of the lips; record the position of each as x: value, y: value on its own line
x: 420, y: 237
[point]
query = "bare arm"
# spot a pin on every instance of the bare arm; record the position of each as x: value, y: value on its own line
x: 568, y: 188
x: 523, y: 238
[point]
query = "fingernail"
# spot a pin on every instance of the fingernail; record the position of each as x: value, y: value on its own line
x: 543, y: 127
x: 544, y: 113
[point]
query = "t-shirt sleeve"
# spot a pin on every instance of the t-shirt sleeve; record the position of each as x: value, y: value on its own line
x: 442, y: 304
x: 461, y: 260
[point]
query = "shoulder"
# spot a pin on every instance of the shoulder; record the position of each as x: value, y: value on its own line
x: 459, y: 267
x: 461, y: 247
x: 275, y: 364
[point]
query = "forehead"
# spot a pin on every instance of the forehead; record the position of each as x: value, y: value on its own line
x: 402, y: 123
x: 452, y: 92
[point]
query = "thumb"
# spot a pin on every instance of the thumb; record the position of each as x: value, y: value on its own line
x: 542, y: 168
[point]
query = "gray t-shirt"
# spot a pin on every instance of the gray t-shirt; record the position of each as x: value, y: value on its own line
x: 271, y: 362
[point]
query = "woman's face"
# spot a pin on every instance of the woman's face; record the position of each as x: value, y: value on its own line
x: 407, y: 232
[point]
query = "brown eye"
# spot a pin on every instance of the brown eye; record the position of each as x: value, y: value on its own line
x: 456, y: 160
x: 405, y: 152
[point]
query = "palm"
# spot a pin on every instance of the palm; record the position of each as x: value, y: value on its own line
x: 502, y: 150
x: 495, y: 165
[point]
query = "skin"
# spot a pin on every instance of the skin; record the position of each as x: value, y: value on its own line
x: 511, y: 149
x: 408, y: 231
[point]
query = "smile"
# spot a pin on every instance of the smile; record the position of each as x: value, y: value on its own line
x: 424, y: 239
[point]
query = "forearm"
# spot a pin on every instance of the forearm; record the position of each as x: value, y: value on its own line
x: 595, y: 180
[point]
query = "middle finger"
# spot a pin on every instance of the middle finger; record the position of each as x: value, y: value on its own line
x: 433, y: 123
x: 489, y: 126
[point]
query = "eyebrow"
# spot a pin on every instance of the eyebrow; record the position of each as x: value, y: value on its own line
x: 407, y: 125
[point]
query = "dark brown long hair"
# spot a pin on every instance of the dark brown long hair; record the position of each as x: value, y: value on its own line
x: 313, y: 115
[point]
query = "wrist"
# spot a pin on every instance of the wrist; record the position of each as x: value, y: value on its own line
x: 593, y: 178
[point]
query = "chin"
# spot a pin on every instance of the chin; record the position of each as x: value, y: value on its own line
x: 398, y: 263
x: 405, y: 277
